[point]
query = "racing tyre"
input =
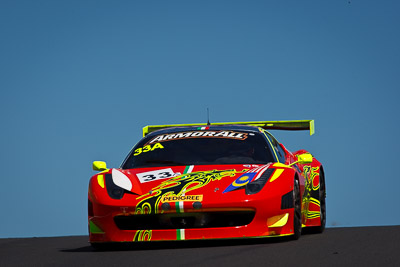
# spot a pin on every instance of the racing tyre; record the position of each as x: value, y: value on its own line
x: 322, y: 198
x: 297, y: 211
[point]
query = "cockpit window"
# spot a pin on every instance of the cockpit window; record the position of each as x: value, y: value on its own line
x: 199, y: 148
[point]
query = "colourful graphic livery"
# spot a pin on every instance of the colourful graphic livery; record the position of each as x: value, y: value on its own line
x: 216, y: 181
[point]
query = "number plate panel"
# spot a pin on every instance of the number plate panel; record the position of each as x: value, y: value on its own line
x: 151, y: 176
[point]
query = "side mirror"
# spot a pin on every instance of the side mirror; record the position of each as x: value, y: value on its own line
x: 303, y: 159
x: 99, y: 166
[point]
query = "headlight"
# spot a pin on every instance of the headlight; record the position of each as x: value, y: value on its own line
x: 113, y: 190
x: 117, y: 184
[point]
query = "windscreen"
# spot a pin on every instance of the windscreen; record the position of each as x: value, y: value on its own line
x: 199, y: 148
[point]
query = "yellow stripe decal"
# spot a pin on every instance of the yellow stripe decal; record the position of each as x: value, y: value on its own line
x: 281, y: 165
x: 277, y: 173
x: 100, y: 180
x: 315, y: 201
x: 273, y: 149
x: 278, y: 221
x: 313, y: 214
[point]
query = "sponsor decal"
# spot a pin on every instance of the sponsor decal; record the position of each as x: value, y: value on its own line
x: 198, y: 134
x: 174, y: 198
x: 246, y: 178
x: 147, y: 148
x: 156, y: 175
x: 181, y: 185
x: 240, y: 182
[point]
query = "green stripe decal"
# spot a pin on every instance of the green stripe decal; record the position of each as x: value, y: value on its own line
x: 186, y: 169
x: 94, y: 229
x: 180, y: 234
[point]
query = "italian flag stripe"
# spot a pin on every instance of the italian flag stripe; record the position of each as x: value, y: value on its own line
x: 179, y: 205
x: 180, y: 234
x: 188, y: 169
x: 203, y: 128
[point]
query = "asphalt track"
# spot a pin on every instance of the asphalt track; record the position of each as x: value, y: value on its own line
x: 362, y: 246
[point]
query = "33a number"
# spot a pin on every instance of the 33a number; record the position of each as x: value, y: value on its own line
x: 147, y: 148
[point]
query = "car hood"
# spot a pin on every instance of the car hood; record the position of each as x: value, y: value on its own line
x: 158, y: 189
x: 186, y: 180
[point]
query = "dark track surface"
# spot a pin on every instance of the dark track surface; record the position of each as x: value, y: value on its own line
x: 362, y: 246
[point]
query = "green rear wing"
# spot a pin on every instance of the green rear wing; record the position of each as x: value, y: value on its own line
x: 297, y: 125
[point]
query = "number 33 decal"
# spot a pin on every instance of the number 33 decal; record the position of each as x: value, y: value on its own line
x: 160, y: 175
x: 155, y: 175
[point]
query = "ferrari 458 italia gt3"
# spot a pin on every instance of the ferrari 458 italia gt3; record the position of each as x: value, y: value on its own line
x: 208, y: 181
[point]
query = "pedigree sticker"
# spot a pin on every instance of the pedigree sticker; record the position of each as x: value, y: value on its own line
x: 174, y: 198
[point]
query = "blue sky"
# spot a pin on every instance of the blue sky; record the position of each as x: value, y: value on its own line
x: 79, y: 80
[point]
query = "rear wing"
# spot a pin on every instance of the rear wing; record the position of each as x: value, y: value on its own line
x: 267, y: 125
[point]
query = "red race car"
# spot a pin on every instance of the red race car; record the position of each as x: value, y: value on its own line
x: 208, y: 181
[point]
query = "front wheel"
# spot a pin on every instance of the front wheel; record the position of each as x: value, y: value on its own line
x: 322, y: 198
x: 297, y: 211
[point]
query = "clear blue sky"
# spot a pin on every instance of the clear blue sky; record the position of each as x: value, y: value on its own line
x: 79, y: 80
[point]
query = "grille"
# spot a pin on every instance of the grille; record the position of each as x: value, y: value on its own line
x: 287, y: 201
x: 184, y: 221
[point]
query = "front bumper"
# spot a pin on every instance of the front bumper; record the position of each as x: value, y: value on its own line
x: 122, y: 225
